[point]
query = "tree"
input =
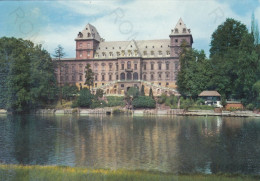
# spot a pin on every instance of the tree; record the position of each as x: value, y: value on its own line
x: 142, y: 91
x: 151, y: 93
x: 58, y: 54
x: 133, y: 92
x: 28, y: 75
x: 85, y: 98
x: 144, y: 102
x: 255, y: 30
x: 228, y: 35
x: 246, y: 69
x: 195, y: 73
x: 89, y: 76
x: 99, y: 93
x: 69, y: 91
x: 224, y: 53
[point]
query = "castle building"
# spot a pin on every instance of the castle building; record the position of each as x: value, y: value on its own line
x: 119, y: 65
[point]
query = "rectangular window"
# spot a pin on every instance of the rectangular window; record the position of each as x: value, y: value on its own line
x: 116, y: 77
x: 152, y: 77
x: 103, y: 84
x: 135, y: 66
x: 103, y: 77
x: 159, y: 66
x: 110, y: 77
x: 80, y: 77
x: 176, y: 40
x: 159, y: 83
x: 96, y: 77
x: 110, y: 66
x: 167, y: 66
x: 144, y: 66
x: 151, y: 66
x: 116, y: 66
x: 88, y: 54
x: 160, y: 76
x: 122, y: 66
x: 122, y: 85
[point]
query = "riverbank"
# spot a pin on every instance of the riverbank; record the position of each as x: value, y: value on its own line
x: 56, y: 173
x: 139, y: 112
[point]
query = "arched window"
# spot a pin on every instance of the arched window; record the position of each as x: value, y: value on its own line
x: 144, y: 76
x: 128, y: 65
x: 129, y: 76
x: 122, y: 76
x: 135, y: 76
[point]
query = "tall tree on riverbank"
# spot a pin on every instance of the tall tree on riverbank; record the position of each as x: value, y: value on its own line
x: 224, y: 53
x: 89, y: 76
x: 29, y: 81
x: 195, y: 73
x: 58, y: 54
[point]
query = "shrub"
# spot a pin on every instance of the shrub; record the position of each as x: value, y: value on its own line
x: 85, y: 98
x: 98, y: 103
x: 118, y: 111
x: 115, y: 101
x: 99, y: 93
x: 144, y: 102
x: 133, y: 92
x: 250, y: 107
x: 162, y: 99
x: 69, y: 91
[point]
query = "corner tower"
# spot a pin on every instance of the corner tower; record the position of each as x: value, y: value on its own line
x: 87, y: 42
x: 179, y: 36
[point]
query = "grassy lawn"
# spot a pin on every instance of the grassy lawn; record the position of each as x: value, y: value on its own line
x: 60, y: 173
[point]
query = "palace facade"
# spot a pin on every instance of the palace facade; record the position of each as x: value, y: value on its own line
x: 119, y: 65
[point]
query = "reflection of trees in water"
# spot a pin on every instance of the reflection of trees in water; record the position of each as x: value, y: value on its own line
x: 33, y: 144
x: 231, y: 148
x: 192, y: 148
x: 237, y: 148
x: 177, y: 144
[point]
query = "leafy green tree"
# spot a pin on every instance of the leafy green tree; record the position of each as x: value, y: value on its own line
x: 144, y: 102
x: 99, y: 93
x: 255, y: 30
x: 85, y: 98
x: 28, y: 75
x: 256, y: 94
x: 89, y: 76
x: 224, y: 53
x: 195, y: 73
x: 228, y: 35
x: 151, y: 93
x: 133, y: 92
x: 142, y: 91
x: 246, y: 69
x: 58, y: 54
x: 69, y: 91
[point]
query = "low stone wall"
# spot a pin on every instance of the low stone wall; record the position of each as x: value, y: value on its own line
x: 137, y: 112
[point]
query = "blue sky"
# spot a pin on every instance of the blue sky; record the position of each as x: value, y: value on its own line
x: 57, y: 22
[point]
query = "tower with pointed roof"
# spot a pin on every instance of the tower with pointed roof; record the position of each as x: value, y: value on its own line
x: 180, y: 36
x: 87, y: 42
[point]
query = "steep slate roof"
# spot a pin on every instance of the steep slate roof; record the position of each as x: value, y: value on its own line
x: 89, y: 33
x: 136, y: 47
x: 209, y: 93
x: 180, y: 29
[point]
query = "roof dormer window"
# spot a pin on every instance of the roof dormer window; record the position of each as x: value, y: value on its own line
x: 176, y: 30
x: 89, y: 34
x: 103, y: 54
x: 111, y: 54
x: 184, y: 30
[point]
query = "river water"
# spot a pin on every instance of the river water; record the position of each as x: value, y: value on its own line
x: 160, y: 143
